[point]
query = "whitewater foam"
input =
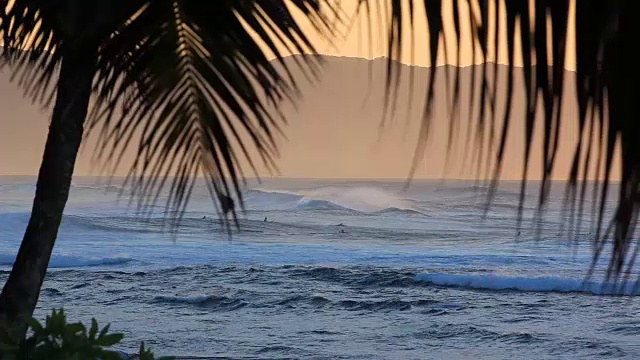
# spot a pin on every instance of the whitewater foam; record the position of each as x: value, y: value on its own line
x: 481, y: 296
x: 361, y: 199
x: 69, y: 261
x: 314, y: 204
x: 527, y: 284
x: 366, y: 199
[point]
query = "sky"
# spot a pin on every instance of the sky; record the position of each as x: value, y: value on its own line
x: 357, y: 31
x: 323, y: 139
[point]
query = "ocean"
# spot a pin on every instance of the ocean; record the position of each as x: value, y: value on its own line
x: 339, y: 270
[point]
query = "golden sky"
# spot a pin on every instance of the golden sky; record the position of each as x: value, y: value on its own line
x: 335, y: 131
x: 360, y: 38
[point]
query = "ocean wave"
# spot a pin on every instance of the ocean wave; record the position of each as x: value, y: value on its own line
x: 69, y: 261
x: 478, y: 192
x: 31, y: 186
x: 217, y: 302
x: 18, y: 187
x: 526, y: 284
x: 315, y: 301
x: 97, y: 187
x: 130, y: 224
x: 381, y: 305
x: 270, y: 200
x: 309, y: 204
x: 279, y: 349
x: 632, y: 329
x: 19, y: 218
x: 358, y: 277
x: 76, y: 261
x: 277, y: 224
x: 313, y: 204
x: 461, y: 189
x: 331, y: 198
x: 394, y: 210
x: 479, y: 333
x: 274, y: 193
x: 51, y: 292
x: 376, y: 305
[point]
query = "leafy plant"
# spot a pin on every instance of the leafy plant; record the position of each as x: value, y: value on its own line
x: 146, y: 354
x: 59, y: 340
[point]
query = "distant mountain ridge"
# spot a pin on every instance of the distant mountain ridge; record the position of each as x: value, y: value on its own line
x: 334, y: 131
x: 384, y: 59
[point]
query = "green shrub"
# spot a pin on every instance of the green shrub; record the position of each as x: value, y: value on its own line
x: 59, y: 340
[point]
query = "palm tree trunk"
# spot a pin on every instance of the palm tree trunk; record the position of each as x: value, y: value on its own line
x: 20, y: 293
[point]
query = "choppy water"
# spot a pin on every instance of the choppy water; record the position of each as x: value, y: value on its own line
x: 408, y: 275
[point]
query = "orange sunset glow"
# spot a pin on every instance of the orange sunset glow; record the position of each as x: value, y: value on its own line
x: 335, y: 132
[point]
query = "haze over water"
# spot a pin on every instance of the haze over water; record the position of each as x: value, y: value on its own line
x: 339, y: 270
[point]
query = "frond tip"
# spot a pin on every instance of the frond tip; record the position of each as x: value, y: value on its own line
x: 608, y: 112
x: 194, y: 85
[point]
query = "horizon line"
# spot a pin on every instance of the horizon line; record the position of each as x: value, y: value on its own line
x: 261, y: 179
x: 385, y: 58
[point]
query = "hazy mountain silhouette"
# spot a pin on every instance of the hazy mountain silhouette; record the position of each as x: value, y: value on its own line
x: 334, y: 129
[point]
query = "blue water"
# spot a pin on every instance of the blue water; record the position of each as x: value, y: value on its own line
x: 340, y: 270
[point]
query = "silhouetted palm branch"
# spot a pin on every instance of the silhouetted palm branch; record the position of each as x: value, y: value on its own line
x: 606, y: 83
x: 185, y: 75
x: 184, y: 82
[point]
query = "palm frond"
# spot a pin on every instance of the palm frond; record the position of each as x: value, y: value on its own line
x: 189, y: 81
x: 29, y: 47
x: 605, y: 84
x: 193, y: 82
x: 33, y: 32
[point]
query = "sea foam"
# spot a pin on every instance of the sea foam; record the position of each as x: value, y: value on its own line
x: 528, y: 284
x: 70, y: 261
x: 360, y: 199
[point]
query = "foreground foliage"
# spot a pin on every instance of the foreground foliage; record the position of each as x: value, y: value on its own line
x: 542, y: 36
x: 188, y: 86
x: 59, y: 340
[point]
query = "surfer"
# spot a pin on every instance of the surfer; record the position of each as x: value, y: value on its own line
x: 265, y: 219
x: 342, y: 231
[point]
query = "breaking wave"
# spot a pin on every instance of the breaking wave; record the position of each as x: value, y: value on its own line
x: 359, y: 199
x: 313, y: 204
x: 527, y: 284
x: 218, y: 302
x: 70, y: 261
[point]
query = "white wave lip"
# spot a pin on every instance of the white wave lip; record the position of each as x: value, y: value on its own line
x: 70, y: 261
x: 527, y: 284
x: 314, y: 204
x: 363, y: 199
x: 76, y: 261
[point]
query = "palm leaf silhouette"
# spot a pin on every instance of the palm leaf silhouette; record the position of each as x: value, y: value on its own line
x: 178, y: 81
x: 184, y: 83
x: 605, y: 83
x: 188, y: 86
